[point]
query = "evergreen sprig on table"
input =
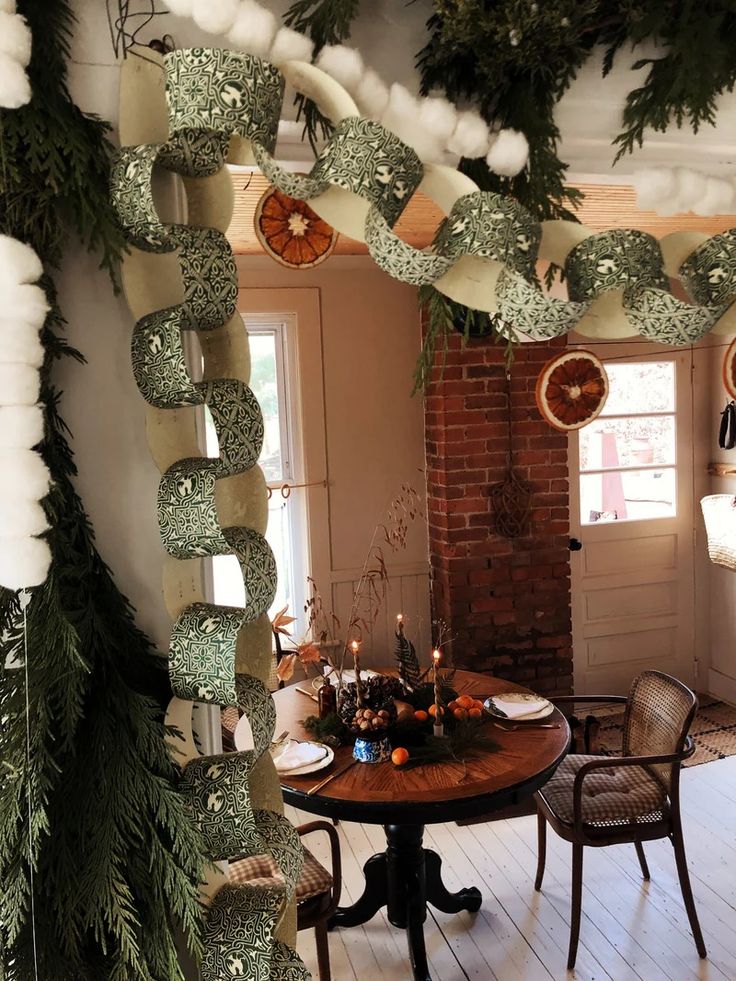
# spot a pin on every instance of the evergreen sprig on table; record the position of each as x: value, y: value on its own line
x: 89, y: 812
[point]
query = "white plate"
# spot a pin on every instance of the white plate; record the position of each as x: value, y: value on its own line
x: 541, y: 714
x: 310, y: 767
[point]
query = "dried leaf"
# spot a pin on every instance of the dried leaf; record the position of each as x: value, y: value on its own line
x: 285, y: 668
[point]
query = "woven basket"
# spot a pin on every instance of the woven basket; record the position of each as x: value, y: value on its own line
x: 719, y: 511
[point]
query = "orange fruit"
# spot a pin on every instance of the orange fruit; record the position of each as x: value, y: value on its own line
x: 465, y: 701
x: 420, y: 715
x: 572, y: 388
x: 433, y: 710
x: 452, y: 705
x: 477, y: 704
x: 475, y: 713
x: 291, y: 232
x: 460, y: 714
x: 399, y: 756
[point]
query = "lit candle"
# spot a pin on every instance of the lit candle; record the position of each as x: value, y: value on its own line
x: 439, y: 729
x: 355, y: 648
x: 400, y: 623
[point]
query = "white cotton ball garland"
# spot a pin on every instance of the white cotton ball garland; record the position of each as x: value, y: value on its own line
x: 471, y: 137
x: 433, y: 127
x: 509, y: 153
x: 254, y: 29
x: 343, y: 64
x: 371, y: 94
x: 215, y: 16
x: 15, y: 38
x: 24, y: 477
x: 676, y: 190
x: 289, y: 45
x: 15, y: 54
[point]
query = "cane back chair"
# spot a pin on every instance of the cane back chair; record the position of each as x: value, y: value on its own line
x: 631, y: 798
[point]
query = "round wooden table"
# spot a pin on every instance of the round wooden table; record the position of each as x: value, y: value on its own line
x: 407, y: 876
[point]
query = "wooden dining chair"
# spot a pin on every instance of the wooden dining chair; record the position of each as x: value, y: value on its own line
x: 317, y: 891
x: 626, y: 799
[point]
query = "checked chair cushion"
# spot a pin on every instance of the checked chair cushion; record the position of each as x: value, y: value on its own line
x: 261, y: 869
x: 611, y: 796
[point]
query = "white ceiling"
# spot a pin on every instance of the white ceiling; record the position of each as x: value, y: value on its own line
x: 390, y: 32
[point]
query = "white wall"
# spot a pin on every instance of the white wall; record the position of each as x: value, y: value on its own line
x: 721, y: 582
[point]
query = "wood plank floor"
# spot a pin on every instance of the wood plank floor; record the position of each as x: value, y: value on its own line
x: 630, y: 929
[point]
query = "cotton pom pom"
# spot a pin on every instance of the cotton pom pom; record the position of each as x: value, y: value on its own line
x: 21, y: 518
x: 24, y: 562
x: 19, y: 384
x: 653, y: 185
x: 288, y: 45
x: 471, y: 136
x: 21, y: 426
x: 439, y: 117
x: 690, y: 188
x: 215, y: 16
x: 402, y: 118
x: 23, y: 476
x: 371, y: 94
x: 509, y: 153
x: 181, y: 8
x: 15, y: 89
x: 23, y: 304
x: 254, y: 29
x: 343, y: 64
x: 15, y: 38
x: 18, y: 262
x: 20, y: 344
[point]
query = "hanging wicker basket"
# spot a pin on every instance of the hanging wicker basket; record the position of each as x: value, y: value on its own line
x: 719, y: 511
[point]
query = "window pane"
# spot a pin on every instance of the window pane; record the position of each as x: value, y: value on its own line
x: 263, y: 381
x: 633, y: 495
x: 634, y: 441
x: 639, y: 387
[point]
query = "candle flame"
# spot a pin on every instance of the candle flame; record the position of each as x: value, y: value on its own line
x: 355, y: 646
x: 436, y: 654
x: 399, y: 617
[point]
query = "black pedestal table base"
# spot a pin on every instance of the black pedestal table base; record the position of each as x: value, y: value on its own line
x: 404, y: 879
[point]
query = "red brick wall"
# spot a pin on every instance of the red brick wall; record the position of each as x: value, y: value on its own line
x: 506, y: 602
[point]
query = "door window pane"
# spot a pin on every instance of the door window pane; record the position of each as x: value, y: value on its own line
x: 627, y: 442
x: 637, y: 388
x: 633, y: 495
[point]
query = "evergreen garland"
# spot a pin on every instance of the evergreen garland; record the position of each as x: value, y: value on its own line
x: 110, y: 850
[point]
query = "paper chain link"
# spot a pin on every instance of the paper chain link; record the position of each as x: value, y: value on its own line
x: 485, y: 251
x: 240, y: 922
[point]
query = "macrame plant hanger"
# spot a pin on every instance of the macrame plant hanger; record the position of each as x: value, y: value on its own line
x: 511, y: 499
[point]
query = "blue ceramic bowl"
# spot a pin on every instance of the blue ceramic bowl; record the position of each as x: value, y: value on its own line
x: 374, y: 751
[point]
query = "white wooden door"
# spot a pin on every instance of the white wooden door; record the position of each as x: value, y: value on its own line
x: 631, y: 502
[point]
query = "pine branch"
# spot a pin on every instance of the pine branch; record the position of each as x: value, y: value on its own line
x: 325, y: 22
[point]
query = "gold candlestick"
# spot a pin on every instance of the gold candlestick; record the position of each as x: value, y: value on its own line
x: 438, y: 728
x: 355, y: 648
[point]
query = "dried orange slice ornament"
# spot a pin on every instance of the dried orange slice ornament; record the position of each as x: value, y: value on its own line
x: 572, y: 390
x: 729, y: 369
x: 291, y: 232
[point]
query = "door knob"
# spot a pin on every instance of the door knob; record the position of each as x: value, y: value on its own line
x: 575, y: 545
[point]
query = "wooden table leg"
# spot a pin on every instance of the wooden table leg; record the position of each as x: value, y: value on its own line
x: 407, y: 890
x: 374, y: 896
x: 439, y: 895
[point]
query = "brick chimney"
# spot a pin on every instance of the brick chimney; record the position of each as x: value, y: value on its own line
x: 505, y: 601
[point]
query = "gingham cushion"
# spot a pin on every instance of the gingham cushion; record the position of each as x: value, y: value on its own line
x: 261, y: 869
x: 615, y: 795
